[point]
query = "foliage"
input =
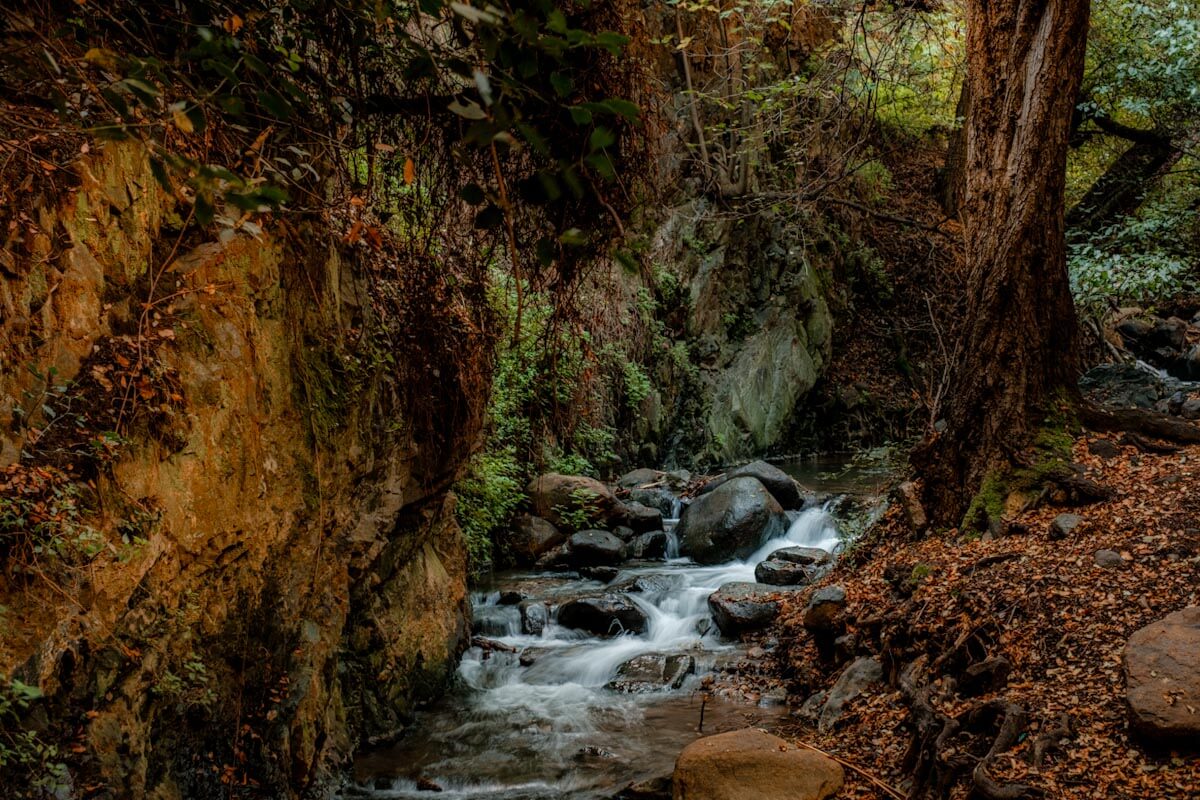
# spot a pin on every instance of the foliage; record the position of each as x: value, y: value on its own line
x: 29, y: 767
x: 488, y: 495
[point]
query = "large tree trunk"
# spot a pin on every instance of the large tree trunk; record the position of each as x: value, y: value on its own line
x: 1025, y: 63
x: 952, y: 180
x: 1119, y: 191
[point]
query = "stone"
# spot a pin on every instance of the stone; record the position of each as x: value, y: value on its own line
x: 1105, y: 448
x: 778, y: 572
x: 740, y: 607
x: 732, y: 521
x: 594, y: 549
x: 534, y: 617
x: 651, y: 789
x: 623, y: 532
x: 750, y: 763
x: 638, y: 477
x: 1062, y: 525
x: 643, y: 519
x: 651, y: 672
x: 602, y: 574
x: 494, y: 621
x: 910, y: 501
x: 657, y: 497
x: 509, y: 598
x: 606, y: 615
x: 556, y: 559
x: 850, y: 684
x: 781, y: 485
x: 802, y: 555
x: 1190, y: 409
x: 649, y: 546
x: 1162, y: 679
x: 824, y: 610
x: 564, y: 500
x: 532, y: 537
x: 1109, y: 559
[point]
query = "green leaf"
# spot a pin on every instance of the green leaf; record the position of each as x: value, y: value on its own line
x: 573, y: 237
x: 601, y: 138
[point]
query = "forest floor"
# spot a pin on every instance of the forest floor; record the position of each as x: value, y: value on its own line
x: 1045, y: 605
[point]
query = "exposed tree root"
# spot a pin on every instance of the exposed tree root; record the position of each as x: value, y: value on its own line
x: 1137, y: 420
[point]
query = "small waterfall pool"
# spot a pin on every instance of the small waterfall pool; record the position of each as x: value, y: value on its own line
x: 533, y: 717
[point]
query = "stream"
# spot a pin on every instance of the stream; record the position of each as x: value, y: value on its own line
x: 537, y: 715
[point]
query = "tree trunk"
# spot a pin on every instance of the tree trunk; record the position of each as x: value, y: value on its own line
x: 1119, y: 191
x: 1025, y: 64
x: 952, y: 180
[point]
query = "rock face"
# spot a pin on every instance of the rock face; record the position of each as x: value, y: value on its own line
x: 533, y: 537
x: 594, y: 549
x: 732, y: 521
x: 749, y: 764
x: 653, y: 671
x: 1162, y: 678
x: 606, y: 615
x: 294, y: 507
x: 741, y: 607
x: 567, y: 500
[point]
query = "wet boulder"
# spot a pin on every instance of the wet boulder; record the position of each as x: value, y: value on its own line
x: 781, y: 485
x: 808, y: 556
x: 656, y: 497
x: 594, y: 549
x: 741, y: 607
x: 534, y: 617
x: 777, y: 572
x: 649, y: 545
x: 1162, y: 678
x: 753, y: 764
x: 642, y: 519
x: 602, y: 574
x: 606, y: 615
x: 652, y: 671
x: 731, y: 521
x: 572, y: 502
x: 532, y: 537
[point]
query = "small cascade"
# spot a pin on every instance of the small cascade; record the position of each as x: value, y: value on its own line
x: 534, y: 715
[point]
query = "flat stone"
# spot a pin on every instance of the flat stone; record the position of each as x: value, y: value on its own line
x: 753, y: 765
x: 1109, y: 559
x: 638, y: 477
x: 602, y: 574
x: 652, y: 672
x: 850, y: 684
x: 1062, y: 525
x: 784, y: 573
x: 801, y: 555
x: 594, y: 549
x: 739, y: 607
x: 1162, y: 679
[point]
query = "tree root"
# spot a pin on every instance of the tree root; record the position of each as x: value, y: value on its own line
x: 1136, y: 420
x: 1050, y: 738
x: 1147, y: 445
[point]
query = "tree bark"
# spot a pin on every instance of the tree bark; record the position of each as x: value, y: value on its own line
x: 1119, y: 191
x: 1025, y: 64
x: 952, y: 181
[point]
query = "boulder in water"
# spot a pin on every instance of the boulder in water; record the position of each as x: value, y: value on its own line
x: 781, y: 485
x: 606, y: 615
x: 777, y: 572
x: 753, y: 764
x: 594, y: 549
x: 638, y: 477
x: 657, y: 497
x: 652, y: 671
x: 740, y: 607
x: 532, y: 537
x: 573, y: 502
x: 643, y: 519
x: 801, y: 555
x: 602, y: 574
x: 649, y: 545
x: 732, y: 521
x: 533, y: 617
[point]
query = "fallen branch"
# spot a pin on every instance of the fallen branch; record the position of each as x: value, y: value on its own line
x: 1137, y: 420
x: 878, y: 783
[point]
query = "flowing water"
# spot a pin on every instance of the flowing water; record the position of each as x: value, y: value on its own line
x: 533, y: 718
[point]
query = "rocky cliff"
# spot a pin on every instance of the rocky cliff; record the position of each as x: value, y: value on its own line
x: 235, y: 554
